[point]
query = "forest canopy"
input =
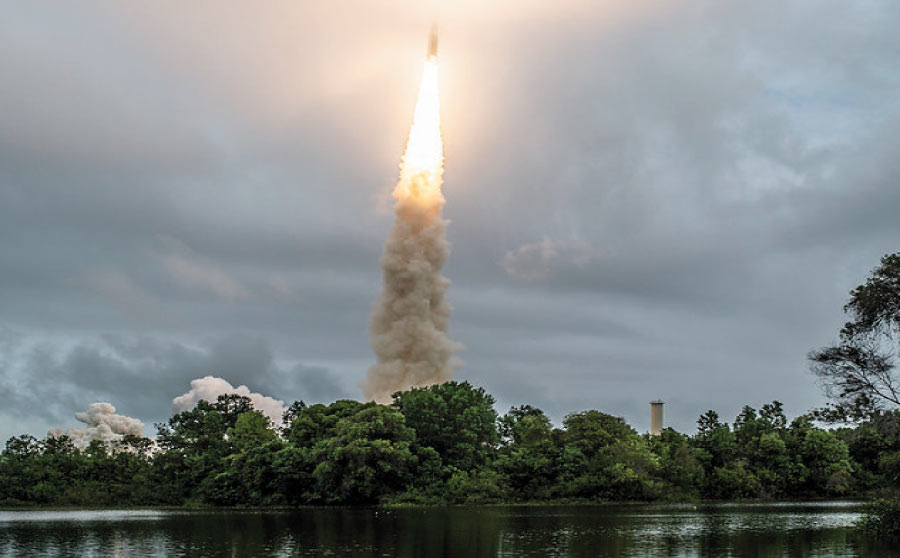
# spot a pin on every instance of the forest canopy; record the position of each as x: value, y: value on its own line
x: 446, y: 444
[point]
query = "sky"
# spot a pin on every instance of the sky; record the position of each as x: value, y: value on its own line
x: 646, y: 199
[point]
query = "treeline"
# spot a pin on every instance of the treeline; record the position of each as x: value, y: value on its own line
x: 446, y: 444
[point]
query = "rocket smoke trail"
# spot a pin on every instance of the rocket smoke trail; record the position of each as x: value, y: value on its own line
x: 410, y: 320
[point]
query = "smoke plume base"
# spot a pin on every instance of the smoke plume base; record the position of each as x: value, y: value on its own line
x: 102, y: 424
x: 209, y: 388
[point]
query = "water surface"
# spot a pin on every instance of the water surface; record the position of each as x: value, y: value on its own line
x: 714, y: 530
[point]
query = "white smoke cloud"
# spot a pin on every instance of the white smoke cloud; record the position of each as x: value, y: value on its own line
x: 209, y: 388
x: 539, y: 260
x: 102, y: 424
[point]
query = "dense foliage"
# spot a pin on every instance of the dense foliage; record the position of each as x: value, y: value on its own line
x: 882, y: 520
x: 446, y: 444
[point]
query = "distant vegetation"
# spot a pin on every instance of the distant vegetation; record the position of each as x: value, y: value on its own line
x: 446, y: 444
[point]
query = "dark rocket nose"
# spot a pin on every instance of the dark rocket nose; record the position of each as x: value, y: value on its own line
x: 433, y: 42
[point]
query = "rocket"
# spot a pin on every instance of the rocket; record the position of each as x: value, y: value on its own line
x: 433, y: 42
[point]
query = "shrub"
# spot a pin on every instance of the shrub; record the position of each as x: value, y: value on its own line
x: 881, y: 520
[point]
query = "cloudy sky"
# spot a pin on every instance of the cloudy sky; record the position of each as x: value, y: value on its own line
x: 648, y: 199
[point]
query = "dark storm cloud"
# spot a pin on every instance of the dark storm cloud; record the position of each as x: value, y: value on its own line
x: 647, y: 200
x: 141, y: 375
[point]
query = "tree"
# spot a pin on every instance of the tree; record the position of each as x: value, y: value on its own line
x: 875, y: 450
x: 23, y: 446
x: 715, y: 441
x: 19, y: 470
x: 822, y: 464
x: 251, y: 429
x: 762, y: 449
x: 603, y: 457
x: 859, y: 373
x: 455, y: 419
x: 773, y: 415
x: 231, y: 406
x: 594, y: 430
x: 708, y: 423
x: 528, y: 457
x: 249, y: 476
x: 195, y: 444
x: 198, y: 431
x: 317, y: 422
x: 287, y: 418
x: 368, y: 458
x: 678, y: 462
x: 521, y: 423
x: 828, y: 462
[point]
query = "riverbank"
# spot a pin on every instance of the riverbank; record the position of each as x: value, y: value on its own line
x: 414, y: 505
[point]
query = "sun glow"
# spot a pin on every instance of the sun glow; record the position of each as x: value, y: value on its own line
x: 422, y: 166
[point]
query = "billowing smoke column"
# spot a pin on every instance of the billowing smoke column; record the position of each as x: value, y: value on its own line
x: 410, y: 320
x: 102, y: 424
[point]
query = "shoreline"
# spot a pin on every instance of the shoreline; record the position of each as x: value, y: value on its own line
x: 388, y: 506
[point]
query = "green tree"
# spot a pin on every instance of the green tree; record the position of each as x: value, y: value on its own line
x: 477, y: 487
x: 20, y: 471
x: 310, y: 429
x: 251, y: 429
x: 762, y: 449
x: 455, y: 419
x: 868, y: 443
x: 823, y: 465
x: 194, y: 445
x: 733, y: 480
x: 287, y: 418
x: 292, y: 469
x: 828, y: 461
x: 678, y: 463
x: 772, y: 414
x: 858, y: 373
x: 317, y: 422
x: 248, y: 473
x: 715, y: 443
x: 528, y: 457
x: 368, y: 458
x: 249, y: 477
x: 604, y: 458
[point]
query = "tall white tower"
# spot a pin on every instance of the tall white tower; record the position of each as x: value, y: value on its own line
x: 656, y: 417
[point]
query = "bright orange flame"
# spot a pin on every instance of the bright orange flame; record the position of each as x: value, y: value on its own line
x: 423, y: 161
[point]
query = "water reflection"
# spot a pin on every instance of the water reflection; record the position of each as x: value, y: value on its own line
x: 776, y: 530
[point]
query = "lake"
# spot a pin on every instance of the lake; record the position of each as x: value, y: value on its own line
x: 708, y: 530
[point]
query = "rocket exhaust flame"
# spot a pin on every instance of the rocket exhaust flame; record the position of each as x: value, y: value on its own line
x: 424, y: 154
x: 411, y: 317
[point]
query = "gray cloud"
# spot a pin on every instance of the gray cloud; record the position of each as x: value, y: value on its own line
x: 183, y: 195
x: 141, y: 375
x: 538, y: 260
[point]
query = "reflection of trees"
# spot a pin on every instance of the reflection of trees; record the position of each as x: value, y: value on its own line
x: 572, y: 531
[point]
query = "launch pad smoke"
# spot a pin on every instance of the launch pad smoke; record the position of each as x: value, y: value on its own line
x: 411, y: 317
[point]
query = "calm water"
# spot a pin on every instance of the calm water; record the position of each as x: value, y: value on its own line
x: 762, y: 530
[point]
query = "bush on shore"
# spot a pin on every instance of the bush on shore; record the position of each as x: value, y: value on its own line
x: 881, y: 520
